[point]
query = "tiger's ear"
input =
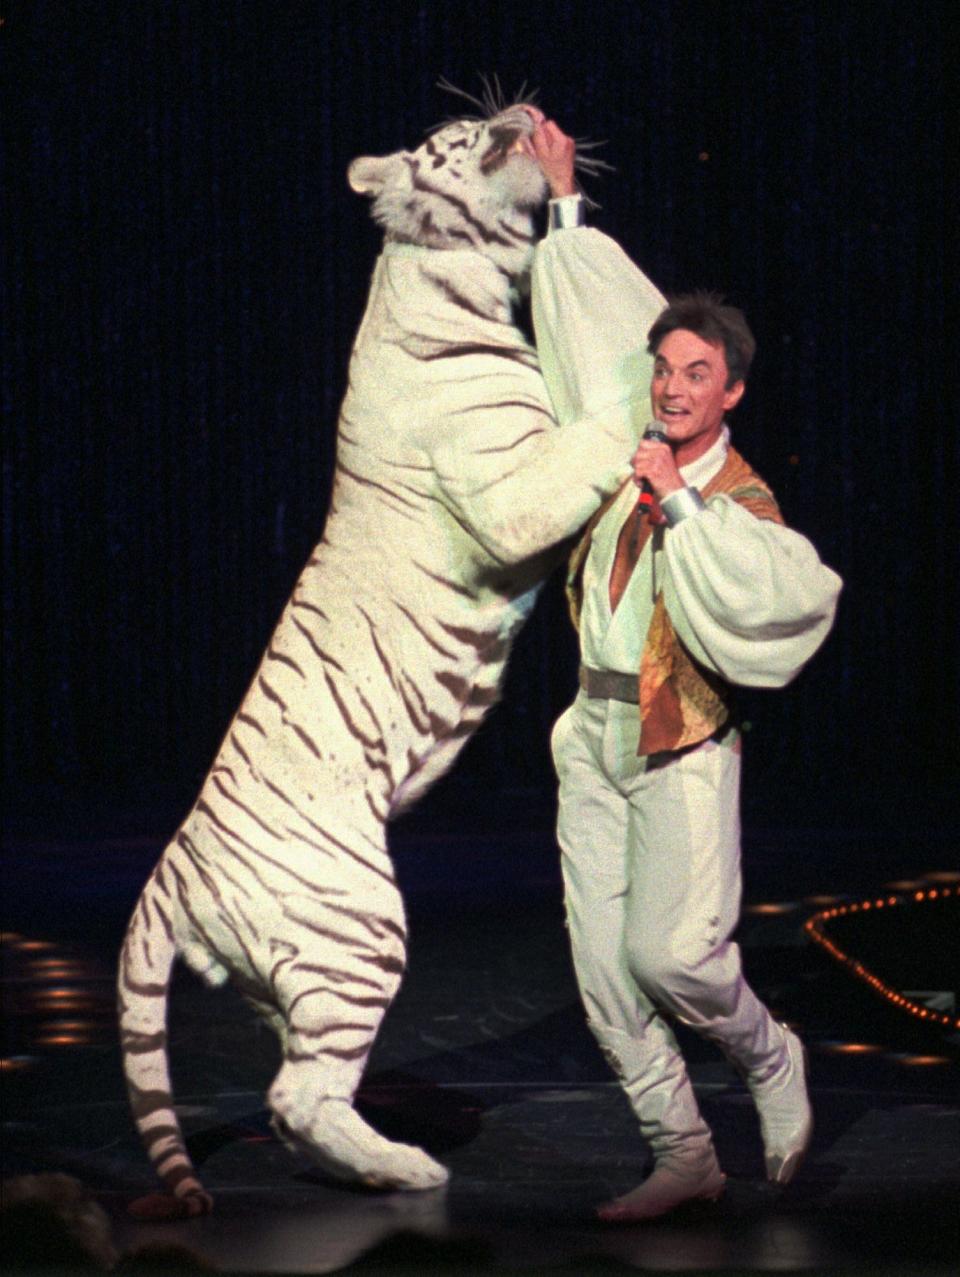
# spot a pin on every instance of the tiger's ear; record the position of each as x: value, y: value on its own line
x: 369, y: 174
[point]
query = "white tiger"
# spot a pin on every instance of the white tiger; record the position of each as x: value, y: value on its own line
x: 453, y: 488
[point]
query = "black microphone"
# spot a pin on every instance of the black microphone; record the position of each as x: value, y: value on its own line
x: 655, y: 433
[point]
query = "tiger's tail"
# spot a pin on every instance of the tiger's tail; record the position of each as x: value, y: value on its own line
x: 146, y: 965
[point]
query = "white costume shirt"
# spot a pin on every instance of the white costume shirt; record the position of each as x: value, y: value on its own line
x: 748, y: 598
x: 614, y: 641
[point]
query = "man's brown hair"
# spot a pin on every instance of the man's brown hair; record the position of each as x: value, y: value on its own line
x: 706, y: 315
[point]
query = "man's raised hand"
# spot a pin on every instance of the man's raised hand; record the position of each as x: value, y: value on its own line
x: 555, y: 153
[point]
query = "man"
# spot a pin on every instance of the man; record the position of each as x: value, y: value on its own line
x: 707, y: 591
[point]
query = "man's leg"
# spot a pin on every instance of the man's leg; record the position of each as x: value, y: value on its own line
x: 682, y: 908
x: 594, y: 834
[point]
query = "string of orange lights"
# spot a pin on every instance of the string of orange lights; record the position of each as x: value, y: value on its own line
x: 815, y: 928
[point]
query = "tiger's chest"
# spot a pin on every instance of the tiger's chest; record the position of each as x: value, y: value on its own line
x: 439, y: 367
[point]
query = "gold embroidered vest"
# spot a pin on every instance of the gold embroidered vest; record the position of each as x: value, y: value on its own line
x: 681, y: 702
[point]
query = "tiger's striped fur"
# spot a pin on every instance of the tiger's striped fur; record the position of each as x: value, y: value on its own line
x: 453, y: 488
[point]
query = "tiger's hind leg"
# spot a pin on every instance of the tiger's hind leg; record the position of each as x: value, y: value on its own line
x: 333, y: 1135
x: 335, y: 994
x: 269, y: 1014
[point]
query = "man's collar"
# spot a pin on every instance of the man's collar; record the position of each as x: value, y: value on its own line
x: 699, y: 472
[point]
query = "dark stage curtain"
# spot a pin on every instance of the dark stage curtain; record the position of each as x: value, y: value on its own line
x: 184, y: 269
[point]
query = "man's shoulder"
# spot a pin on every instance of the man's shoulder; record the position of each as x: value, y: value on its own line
x: 738, y: 480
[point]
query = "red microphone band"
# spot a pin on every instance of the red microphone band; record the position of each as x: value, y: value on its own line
x: 655, y: 434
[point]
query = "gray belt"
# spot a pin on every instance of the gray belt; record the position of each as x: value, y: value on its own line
x: 609, y: 685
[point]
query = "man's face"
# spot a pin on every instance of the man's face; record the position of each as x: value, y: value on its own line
x: 688, y: 392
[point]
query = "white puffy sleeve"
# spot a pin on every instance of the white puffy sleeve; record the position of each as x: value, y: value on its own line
x: 529, y: 489
x: 592, y: 308
x: 748, y: 598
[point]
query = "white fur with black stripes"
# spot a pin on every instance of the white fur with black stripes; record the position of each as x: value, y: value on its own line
x: 454, y: 487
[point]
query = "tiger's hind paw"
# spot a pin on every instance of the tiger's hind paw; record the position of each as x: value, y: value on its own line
x: 341, y: 1143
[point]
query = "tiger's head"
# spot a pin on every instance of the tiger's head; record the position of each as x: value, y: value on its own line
x: 472, y: 184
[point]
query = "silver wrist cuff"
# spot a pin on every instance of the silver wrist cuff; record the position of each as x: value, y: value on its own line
x: 681, y: 504
x: 568, y: 210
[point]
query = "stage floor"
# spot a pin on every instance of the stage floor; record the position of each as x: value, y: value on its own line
x: 485, y: 1061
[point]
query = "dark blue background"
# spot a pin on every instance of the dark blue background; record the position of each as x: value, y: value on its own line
x: 184, y: 269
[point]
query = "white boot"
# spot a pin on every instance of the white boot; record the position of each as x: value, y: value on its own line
x: 657, y: 1084
x: 786, y: 1119
x: 670, y: 1185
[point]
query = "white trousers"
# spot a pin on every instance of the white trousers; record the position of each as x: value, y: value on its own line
x: 651, y: 866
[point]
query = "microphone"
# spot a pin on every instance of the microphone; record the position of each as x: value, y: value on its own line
x: 655, y: 433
